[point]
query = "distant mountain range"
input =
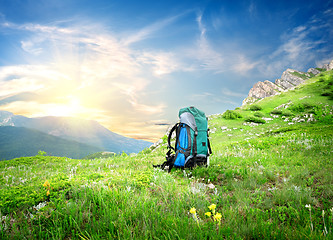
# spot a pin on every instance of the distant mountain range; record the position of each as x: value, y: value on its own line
x: 72, y: 131
x: 19, y: 142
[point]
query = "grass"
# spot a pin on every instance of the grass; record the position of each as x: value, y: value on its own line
x: 270, y: 180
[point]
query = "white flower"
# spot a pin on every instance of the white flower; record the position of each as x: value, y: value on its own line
x: 40, y: 205
x: 308, y: 206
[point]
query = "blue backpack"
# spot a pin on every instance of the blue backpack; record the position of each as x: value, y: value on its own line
x: 192, y: 146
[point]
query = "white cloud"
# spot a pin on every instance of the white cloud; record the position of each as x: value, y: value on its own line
x: 230, y: 93
x: 149, y: 31
x: 210, y: 98
x: 160, y: 62
x: 218, y: 57
x: 95, y: 66
x: 295, y: 45
x: 241, y: 64
x: 208, y: 58
x: 252, y: 9
x: 201, y: 95
x: 300, y: 46
x: 147, y: 109
x: 299, y: 29
x: 28, y: 46
x: 27, y: 78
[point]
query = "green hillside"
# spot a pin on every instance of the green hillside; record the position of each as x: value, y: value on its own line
x: 270, y: 177
x: 18, y: 141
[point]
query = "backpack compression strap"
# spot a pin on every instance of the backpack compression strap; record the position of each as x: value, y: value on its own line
x: 195, y: 142
x: 208, y: 143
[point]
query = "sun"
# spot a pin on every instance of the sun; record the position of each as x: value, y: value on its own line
x: 71, y: 108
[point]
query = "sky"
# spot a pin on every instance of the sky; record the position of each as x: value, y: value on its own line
x: 131, y: 65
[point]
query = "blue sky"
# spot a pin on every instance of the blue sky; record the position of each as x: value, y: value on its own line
x: 132, y: 64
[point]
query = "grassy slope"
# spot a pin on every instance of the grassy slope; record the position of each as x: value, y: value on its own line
x: 260, y: 177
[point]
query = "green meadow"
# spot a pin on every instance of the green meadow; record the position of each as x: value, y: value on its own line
x: 270, y: 177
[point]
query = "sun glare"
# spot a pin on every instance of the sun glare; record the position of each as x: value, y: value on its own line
x: 72, y: 108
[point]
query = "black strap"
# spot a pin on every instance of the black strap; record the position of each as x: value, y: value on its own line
x: 171, y: 162
x: 208, y: 143
x: 169, y: 137
x: 170, y: 158
x: 209, y: 148
x: 177, y: 137
x: 195, y: 143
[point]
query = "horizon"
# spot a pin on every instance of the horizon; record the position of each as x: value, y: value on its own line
x: 132, y: 65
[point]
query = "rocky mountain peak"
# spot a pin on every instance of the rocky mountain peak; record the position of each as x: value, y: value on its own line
x: 290, y: 78
x: 328, y: 66
x: 262, y: 90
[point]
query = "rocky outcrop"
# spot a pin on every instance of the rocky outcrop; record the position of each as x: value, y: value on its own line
x: 262, y: 90
x: 289, y: 79
x: 328, y: 66
x: 313, y: 71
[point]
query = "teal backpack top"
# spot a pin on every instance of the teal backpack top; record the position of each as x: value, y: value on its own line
x: 192, y: 146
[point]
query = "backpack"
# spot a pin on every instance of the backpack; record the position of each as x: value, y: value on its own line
x: 192, y: 146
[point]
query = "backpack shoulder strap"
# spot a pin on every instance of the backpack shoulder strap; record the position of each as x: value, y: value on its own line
x: 170, y: 134
x: 169, y: 156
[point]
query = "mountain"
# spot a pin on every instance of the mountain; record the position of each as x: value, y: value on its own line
x: 74, y: 129
x: 289, y: 79
x: 21, y: 142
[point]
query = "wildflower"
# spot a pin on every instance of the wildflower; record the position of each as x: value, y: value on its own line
x: 217, y: 217
x: 40, y: 205
x: 325, y: 229
x: 208, y: 214
x: 48, y: 192
x: 193, y: 210
x: 309, y: 207
x: 212, y: 207
x: 46, y: 184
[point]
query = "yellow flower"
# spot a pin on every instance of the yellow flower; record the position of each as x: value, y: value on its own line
x: 193, y: 210
x: 47, y: 193
x: 212, y: 207
x: 46, y: 184
x: 208, y: 214
x: 217, y: 217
